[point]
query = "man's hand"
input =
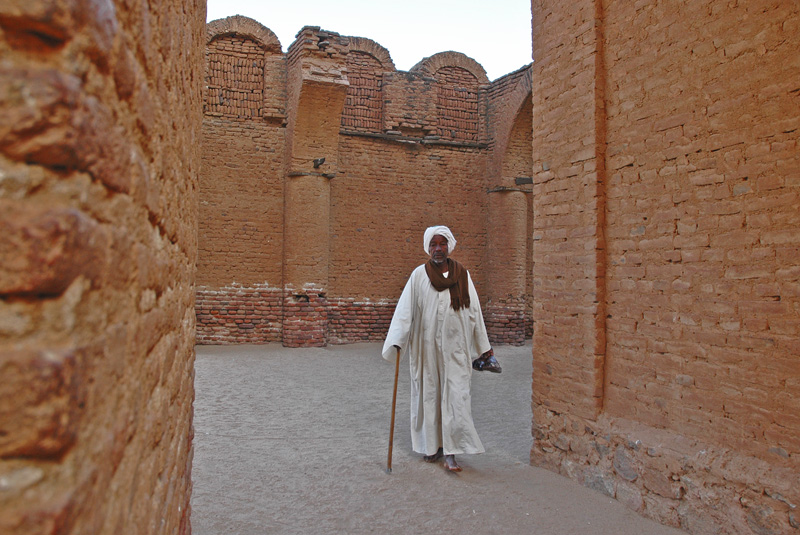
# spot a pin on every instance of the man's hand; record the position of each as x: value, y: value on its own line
x: 487, y: 362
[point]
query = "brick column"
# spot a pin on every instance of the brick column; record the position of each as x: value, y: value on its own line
x: 316, y: 91
x: 305, y: 316
x: 569, y: 206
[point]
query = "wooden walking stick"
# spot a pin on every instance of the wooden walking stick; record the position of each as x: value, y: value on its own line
x: 394, y: 404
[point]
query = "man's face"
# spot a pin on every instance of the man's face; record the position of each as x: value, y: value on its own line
x: 438, y: 248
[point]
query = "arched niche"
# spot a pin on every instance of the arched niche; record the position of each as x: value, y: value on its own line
x: 244, y: 27
x: 366, y: 61
x: 431, y: 65
x: 240, y: 53
x: 512, y: 114
x: 459, y: 80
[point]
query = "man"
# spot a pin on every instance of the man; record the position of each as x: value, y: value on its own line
x: 438, y: 322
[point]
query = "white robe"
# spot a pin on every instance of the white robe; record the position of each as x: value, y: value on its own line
x: 441, y: 344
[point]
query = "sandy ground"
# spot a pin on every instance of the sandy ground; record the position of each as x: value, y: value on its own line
x: 295, y: 441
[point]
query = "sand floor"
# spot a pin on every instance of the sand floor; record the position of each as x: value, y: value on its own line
x: 295, y: 441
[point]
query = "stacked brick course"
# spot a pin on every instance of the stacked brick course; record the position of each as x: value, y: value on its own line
x: 235, y: 77
x: 99, y: 164
x: 457, y: 104
x: 300, y: 207
x: 363, y: 109
x: 238, y: 315
x: 352, y: 321
x: 305, y: 317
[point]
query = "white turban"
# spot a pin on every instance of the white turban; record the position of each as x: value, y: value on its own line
x: 441, y: 230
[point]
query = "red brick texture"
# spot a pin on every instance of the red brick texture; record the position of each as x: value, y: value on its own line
x: 335, y: 240
x: 238, y: 315
x: 99, y: 163
x: 665, y: 281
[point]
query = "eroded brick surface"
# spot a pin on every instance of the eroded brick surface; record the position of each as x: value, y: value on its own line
x: 42, y: 400
x: 99, y: 159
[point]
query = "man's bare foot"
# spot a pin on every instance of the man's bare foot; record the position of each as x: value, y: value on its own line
x: 451, y: 464
x: 435, y: 457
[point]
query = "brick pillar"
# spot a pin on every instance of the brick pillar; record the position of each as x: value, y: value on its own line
x: 316, y: 95
x: 305, y: 315
x: 568, y: 208
x: 506, y: 261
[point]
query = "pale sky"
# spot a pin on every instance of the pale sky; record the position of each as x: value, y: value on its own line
x: 495, y: 33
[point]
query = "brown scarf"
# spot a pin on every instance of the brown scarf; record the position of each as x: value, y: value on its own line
x: 456, y: 282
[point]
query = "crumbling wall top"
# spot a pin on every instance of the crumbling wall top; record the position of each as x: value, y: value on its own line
x: 362, y: 44
x: 428, y: 66
x: 244, y: 26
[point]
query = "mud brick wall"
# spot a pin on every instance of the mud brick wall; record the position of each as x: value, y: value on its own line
x: 409, y: 107
x: 666, y: 209
x: 374, y: 175
x: 240, y: 235
x: 99, y: 162
x: 241, y: 231
x: 234, y: 77
x: 457, y: 104
x: 363, y: 108
x: 278, y: 223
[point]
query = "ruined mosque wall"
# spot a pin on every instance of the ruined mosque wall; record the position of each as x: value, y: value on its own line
x: 666, y: 209
x: 240, y: 237
x: 99, y: 163
x: 312, y: 253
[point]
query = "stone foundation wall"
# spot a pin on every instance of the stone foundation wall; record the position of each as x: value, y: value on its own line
x: 99, y: 163
x: 677, y: 480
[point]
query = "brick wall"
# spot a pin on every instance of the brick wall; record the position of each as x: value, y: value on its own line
x: 239, y: 315
x: 99, y: 158
x: 241, y: 211
x: 234, y: 77
x: 274, y: 216
x: 363, y: 109
x: 457, y: 104
x: 359, y: 321
x: 665, y: 224
x: 372, y: 255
